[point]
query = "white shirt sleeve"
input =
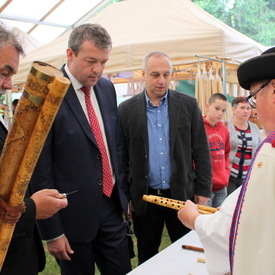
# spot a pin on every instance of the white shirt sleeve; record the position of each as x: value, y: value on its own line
x: 213, y: 231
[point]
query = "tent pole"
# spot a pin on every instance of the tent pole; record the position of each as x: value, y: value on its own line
x: 224, y: 76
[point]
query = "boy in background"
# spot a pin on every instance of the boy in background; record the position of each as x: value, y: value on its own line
x: 219, y: 144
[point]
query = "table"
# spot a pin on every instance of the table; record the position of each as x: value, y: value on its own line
x: 175, y: 260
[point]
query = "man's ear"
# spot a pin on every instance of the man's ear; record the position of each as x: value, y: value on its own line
x: 273, y: 85
x: 70, y: 54
x: 273, y: 97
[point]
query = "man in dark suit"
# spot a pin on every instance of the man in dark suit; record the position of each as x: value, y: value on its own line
x: 25, y: 255
x: 90, y: 230
x: 165, y: 153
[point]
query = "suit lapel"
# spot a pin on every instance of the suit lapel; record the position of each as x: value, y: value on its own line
x: 140, y: 109
x: 73, y: 102
x: 173, y: 109
x: 3, y: 135
x: 3, y: 132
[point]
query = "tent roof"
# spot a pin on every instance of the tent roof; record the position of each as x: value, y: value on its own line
x: 177, y: 27
x: 46, y: 20
x: 29, y: 44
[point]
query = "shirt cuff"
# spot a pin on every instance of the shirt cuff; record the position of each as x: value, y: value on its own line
x: 55, y: 238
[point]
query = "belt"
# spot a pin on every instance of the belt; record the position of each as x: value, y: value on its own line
x: 160, y: 192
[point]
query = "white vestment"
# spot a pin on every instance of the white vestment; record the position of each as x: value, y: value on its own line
x: 255, y: 239
x: 254, y: 252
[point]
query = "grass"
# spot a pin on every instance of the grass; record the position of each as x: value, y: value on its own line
x: 53, y: 269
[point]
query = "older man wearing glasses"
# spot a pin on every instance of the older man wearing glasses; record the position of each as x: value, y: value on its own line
x: 244, y: 226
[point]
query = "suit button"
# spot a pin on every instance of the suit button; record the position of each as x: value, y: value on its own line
x: 100, y: 182
x: 98, y: 156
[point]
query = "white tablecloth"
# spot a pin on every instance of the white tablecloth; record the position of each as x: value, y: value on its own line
x: 175, y: 260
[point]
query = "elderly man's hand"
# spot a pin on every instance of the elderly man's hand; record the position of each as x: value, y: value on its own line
x: 10, y: 214
x: 188, y: 214
x: 48, y: 202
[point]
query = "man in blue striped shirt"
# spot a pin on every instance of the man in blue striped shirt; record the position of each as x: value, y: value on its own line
x: 165, y: 153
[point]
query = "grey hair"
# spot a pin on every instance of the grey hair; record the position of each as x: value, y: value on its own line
x: 8, y: 37
x: 91, y: 32
x: 155, y: 53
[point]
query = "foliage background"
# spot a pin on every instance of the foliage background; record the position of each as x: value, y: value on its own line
x: 253, y: 18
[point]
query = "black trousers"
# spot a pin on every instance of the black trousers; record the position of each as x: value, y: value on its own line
x: 109, y: 250
x: 148, y: 229
x: 233, y: 184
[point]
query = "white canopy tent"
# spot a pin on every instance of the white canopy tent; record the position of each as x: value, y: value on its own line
x: 177, y: 27
x: 29, y: 43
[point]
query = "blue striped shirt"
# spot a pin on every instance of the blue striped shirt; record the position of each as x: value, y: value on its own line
x: 158, y: 140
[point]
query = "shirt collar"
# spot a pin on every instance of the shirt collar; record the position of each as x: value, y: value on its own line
x: 75, y: 83
x: 164, y: 100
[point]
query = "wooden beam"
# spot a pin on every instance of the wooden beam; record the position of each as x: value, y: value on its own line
x: 5, y: 5
x: 46, y: 15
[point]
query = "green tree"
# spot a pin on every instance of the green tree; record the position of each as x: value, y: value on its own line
x: 253, y: 18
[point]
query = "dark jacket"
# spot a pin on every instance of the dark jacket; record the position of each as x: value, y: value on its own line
x: 190, y: 157
x: 70, y: 160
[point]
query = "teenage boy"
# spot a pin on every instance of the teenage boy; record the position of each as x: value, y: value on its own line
x: 219, y: 144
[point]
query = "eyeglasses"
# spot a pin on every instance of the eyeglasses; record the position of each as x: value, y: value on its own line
x: 251, y: 99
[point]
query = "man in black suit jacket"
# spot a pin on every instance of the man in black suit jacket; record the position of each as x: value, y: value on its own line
x: 165, y: 153
x: 25, y: 255
x: 91, y: 228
